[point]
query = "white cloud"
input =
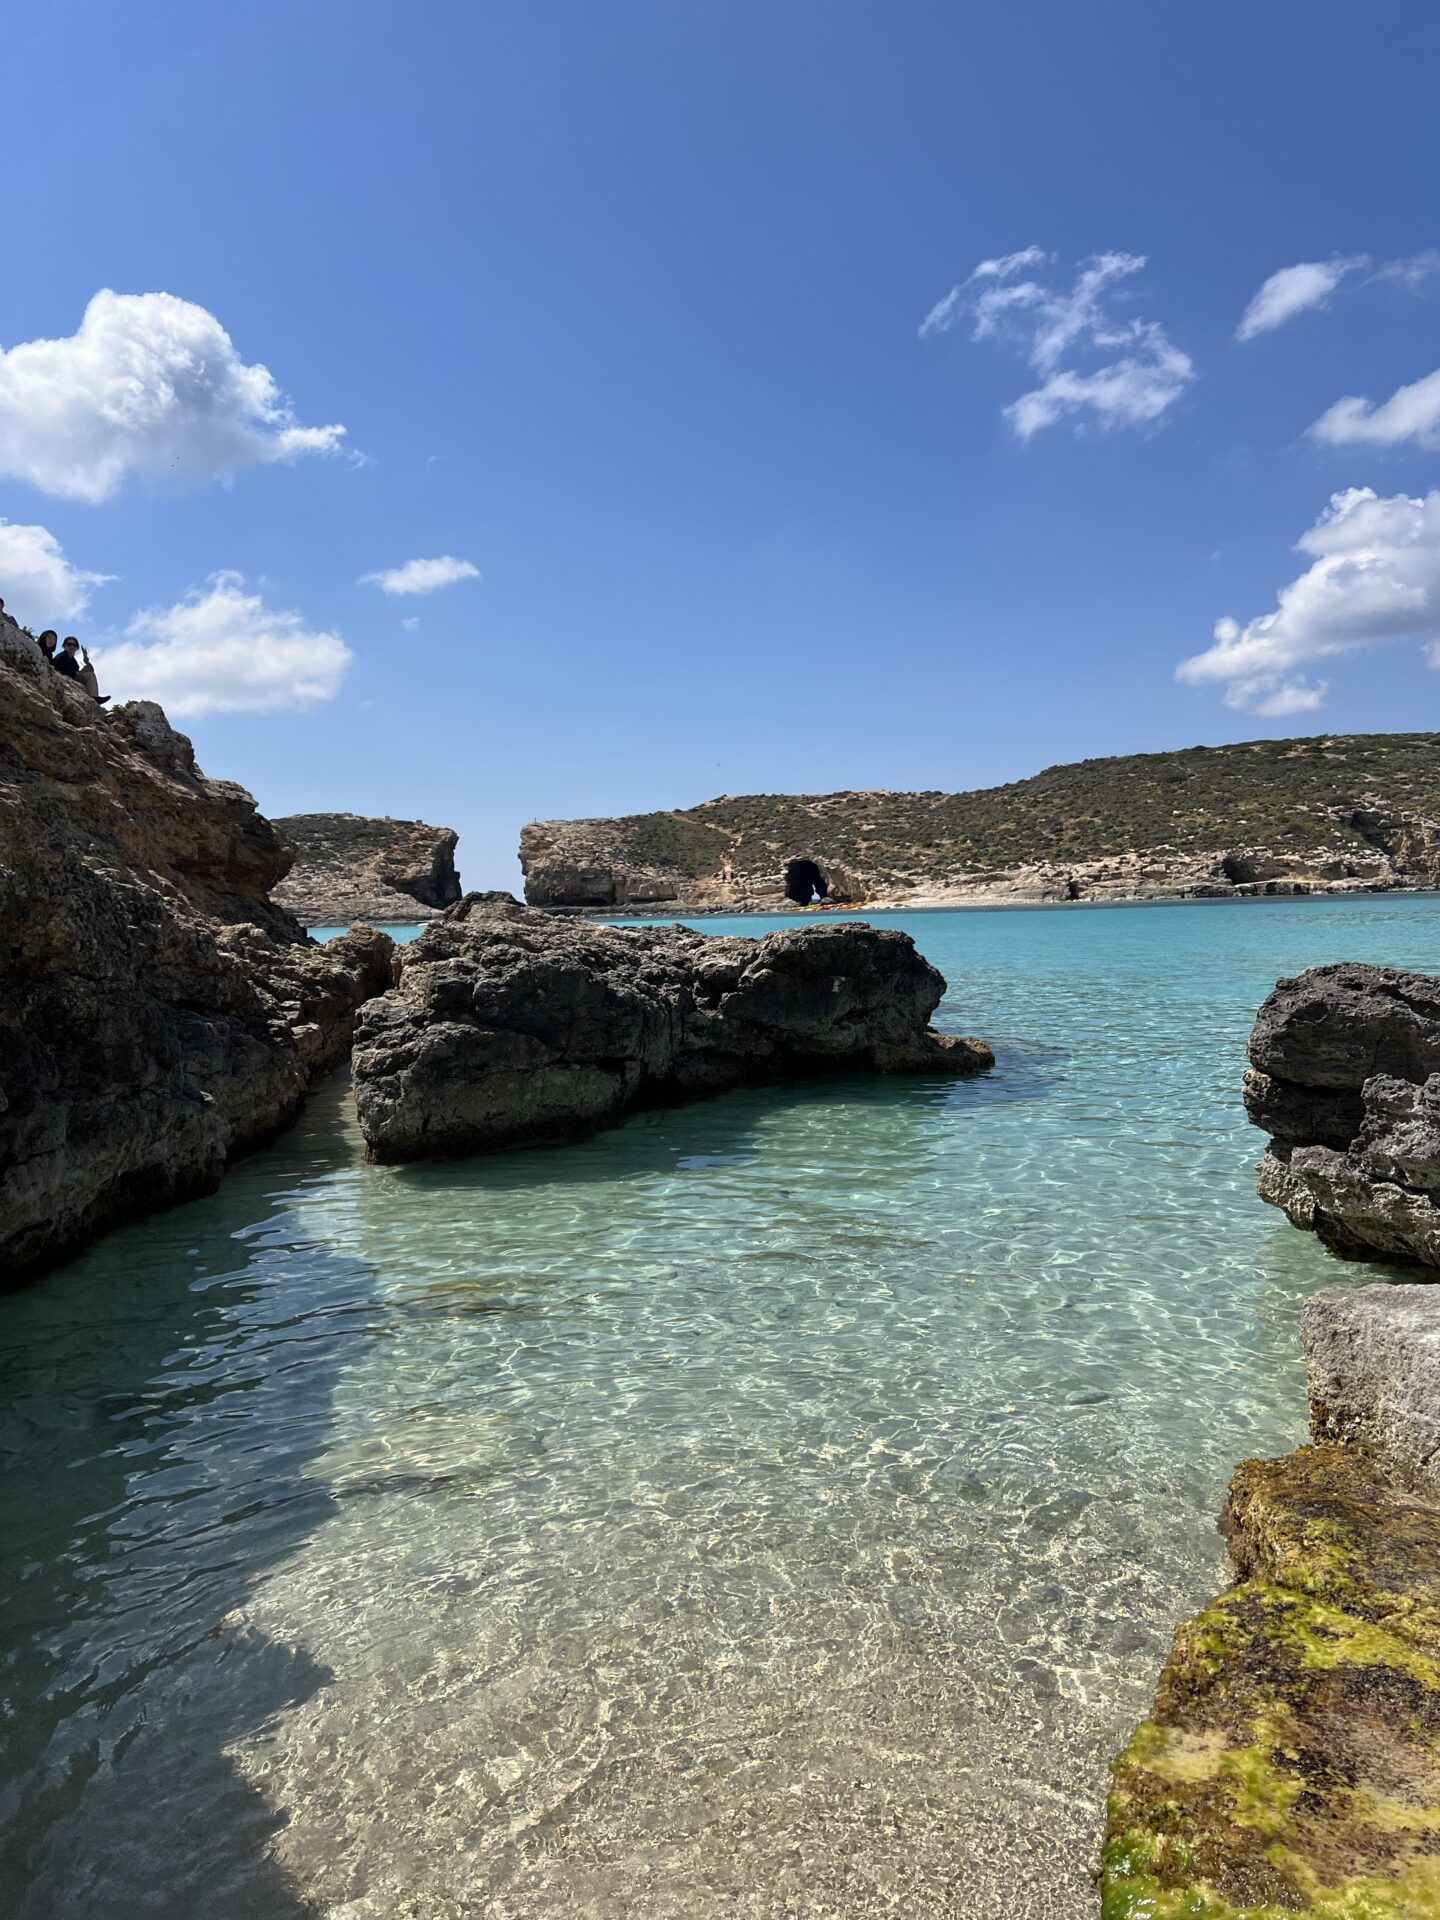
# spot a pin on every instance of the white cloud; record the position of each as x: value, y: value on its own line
x: 224, y: 651
x: 1294, y: 290
x: 1052, y: 324
x: 1413, y: 272
x: 149, y: 385
x: 421, y: 576
x: 411, y: 622
x: 1375, y: 576
x: 39, y: 586
x: 1411, y: 413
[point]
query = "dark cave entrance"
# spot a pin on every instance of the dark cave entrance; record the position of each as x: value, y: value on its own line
x: 805, y: 882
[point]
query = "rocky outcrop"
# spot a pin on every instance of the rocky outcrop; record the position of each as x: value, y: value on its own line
x: 511, y: 1025
x: 158, y: 1013
x: 383, y: 872
x: 1345, y: 1078
x: 1334, y: 814
x: 1291, y: 1764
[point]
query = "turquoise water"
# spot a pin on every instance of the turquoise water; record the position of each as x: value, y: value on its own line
x: 777, y: 1506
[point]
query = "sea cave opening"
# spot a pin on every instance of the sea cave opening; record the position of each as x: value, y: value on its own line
x: 804, y: 882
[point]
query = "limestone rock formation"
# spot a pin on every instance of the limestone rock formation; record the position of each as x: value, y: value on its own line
x: 1291, y: 1764
x: 384, y: 872
x: 510, y: 1025
x: 158, y: 1013
x: 1345, y: 1078
x: 1333, y: 814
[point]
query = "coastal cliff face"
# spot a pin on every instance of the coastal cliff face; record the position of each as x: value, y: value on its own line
x: 348, y: 868
x: 510, y: 1026
x: 1338, y: 813
x: 1291, y: 1763
x: 1345, y: 1078
x: 158, y: 1012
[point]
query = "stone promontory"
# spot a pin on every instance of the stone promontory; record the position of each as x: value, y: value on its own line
x: 348, y: 868
x: 158, y: 1012
x: 510, y: 1026
x: 1345, y: 1078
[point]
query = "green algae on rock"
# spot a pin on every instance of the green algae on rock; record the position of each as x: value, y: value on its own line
x: 1291, y: 1764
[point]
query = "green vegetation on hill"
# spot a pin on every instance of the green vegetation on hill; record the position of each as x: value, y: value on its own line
x: 1286, y: 795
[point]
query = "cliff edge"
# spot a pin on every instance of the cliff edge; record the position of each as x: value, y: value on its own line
x: 159, y: 1012
x: 348, y: 868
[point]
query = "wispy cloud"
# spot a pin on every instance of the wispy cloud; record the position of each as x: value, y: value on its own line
x: 222, y: 650
x: 421, y: 576
x: 1374, y: 577
x: 41, y: 587
x: 1293, y: 290
x: 1310, y: 283
x: 1144, y: 375
x: 1411, y: 413
x: 149, y: 385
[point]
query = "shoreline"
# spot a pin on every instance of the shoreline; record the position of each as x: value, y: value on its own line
x: 971, y: 903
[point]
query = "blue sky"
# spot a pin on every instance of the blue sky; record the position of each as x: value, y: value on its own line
x: 621, y: 305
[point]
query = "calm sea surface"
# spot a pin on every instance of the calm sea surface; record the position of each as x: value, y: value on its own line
x: 777, y: 1506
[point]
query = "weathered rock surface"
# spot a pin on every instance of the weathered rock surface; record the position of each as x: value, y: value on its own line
x: 1374, y: 1360
x: 510, y: 1025
x: 158, y: 1013
x: 348, y: 868
x: 1291, y: 1764
x: 1345, y: 1078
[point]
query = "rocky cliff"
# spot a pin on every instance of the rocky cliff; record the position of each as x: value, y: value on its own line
x: 1345, y: 1078
x: 509, y: 1026
x: 158, y: 1012
x: 348, y: 869
x: 1291, y: 1764
x: 1334, y: 813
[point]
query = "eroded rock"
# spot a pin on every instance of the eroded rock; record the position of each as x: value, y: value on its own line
x: 1346, y: 1080
x: 158, y: 1013
x: 1291, y: 1764
x: 348, y: 868
x: 510, y: 1025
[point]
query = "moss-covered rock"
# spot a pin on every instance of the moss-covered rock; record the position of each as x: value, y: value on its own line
x: 1291, y: 1765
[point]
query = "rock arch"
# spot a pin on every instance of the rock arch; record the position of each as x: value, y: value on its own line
x: 805, y: 881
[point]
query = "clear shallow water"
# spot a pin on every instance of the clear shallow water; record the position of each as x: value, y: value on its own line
x: 778, y: 1506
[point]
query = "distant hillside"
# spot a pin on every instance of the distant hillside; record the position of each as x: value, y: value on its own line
x: 1334, y: 811
x: 350, y: 868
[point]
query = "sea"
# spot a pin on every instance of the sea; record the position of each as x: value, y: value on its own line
x: 776, y: 1506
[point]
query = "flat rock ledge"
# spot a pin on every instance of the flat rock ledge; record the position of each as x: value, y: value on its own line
x: 1290, y: 1768
x: 1345, y: 1078
x: 510, y: 1026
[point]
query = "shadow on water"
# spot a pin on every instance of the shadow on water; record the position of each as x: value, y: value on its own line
x: 151, y: 1471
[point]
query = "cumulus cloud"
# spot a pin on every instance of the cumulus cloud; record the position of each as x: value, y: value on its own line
x: 1050, y: 325
x: 222, y: 650
x: 421, y: 576
x: 1293, y: 290
x: 39, y: 586
x: 148, y: 385
x: 1411, y: 413
x: 1375, y: 576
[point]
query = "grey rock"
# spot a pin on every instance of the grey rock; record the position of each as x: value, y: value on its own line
x: 1373, y: 1355
x: 1346, y: 1080
x: 510, y: 1025
x: 1333, y: 1027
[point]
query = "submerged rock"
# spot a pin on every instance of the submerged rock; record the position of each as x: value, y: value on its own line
x: 158, y: 1013
x: 1345, y: 1078
x: 510, y: 1025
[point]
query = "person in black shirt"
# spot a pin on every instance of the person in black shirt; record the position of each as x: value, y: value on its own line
x: 49, y: 640
x: 67, y: 660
